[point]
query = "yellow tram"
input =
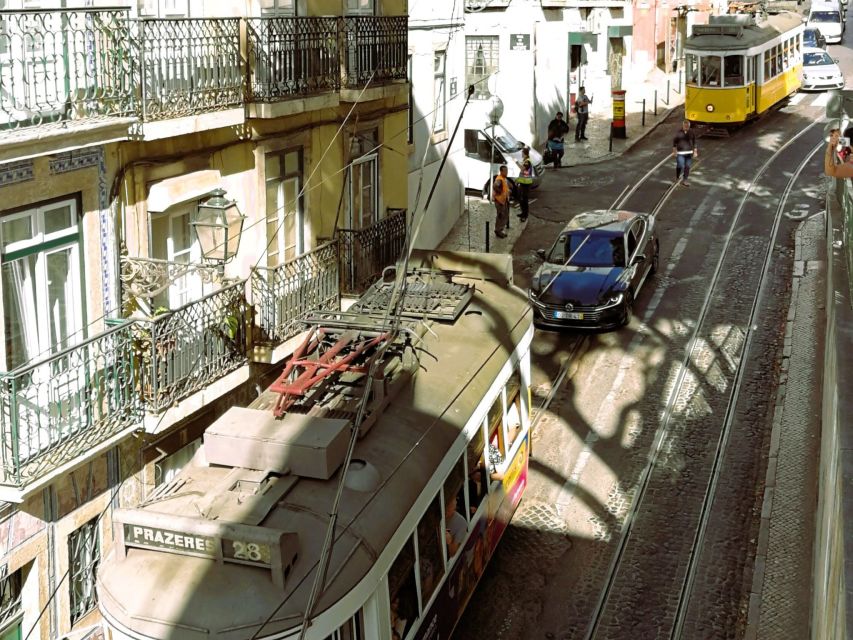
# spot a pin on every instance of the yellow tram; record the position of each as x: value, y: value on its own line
x: 739, y: 66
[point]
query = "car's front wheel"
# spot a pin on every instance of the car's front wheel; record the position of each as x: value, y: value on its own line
x: 627, y: 310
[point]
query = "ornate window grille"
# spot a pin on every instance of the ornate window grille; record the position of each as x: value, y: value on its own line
x: 11, y: 610
x: 481, y: 61
x: 84, y: 553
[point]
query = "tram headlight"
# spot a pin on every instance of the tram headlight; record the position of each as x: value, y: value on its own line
x: 709, y: 108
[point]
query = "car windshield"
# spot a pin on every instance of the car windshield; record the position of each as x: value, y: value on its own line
x: 816, y: 59
x: 506, y: 140
x: 825, y: 16
x: 597, y: 251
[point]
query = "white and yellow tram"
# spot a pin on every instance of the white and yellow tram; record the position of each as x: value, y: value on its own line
x: 739, y: 66
x: 230, y: 548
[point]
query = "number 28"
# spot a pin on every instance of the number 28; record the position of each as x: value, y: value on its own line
x: 247, y: 551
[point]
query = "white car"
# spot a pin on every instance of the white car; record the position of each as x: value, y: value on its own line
x: 820, y: 71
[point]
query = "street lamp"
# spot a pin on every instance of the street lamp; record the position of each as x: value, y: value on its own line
x: 218, y: 225
x: 496, y: 110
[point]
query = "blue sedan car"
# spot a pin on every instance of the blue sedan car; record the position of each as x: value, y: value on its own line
x: 590, y: 277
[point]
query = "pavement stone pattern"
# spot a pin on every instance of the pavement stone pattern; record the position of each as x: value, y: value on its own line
x: 781, y: 592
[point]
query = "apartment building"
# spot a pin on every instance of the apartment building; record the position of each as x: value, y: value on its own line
x: 180, y: 183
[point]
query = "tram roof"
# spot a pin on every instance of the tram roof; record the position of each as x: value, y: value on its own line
x: 160, y: 594
x: 736, y: 33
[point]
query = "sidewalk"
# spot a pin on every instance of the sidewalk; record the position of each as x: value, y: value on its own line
x: 469, y: 232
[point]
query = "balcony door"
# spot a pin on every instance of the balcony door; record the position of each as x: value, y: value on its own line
x: 173, y: 239
x: 363, y: 209
x: 286, y: 228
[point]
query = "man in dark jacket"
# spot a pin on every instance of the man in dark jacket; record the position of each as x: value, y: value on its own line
x: 557, y: 128
x: 684, y: 149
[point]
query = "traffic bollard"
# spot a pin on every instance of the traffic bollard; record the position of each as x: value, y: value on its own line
x: 611, y: 138
x: 644, y: 112
x: 667, y: 92
x: 656, y: 102
x: 487, y: 236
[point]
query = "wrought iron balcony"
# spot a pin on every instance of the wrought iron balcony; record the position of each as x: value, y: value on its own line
x: 56, y: 409
x: 284, y: 294
x: 292, y: 57
x: 375, y: 43
x: 183, y: 351
x: 189, y: 66
x: 59, y: 66
x: 364, y: 253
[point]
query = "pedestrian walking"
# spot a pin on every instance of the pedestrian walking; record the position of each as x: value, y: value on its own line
x: 557, y: 128
x: 524, y: 180
x: 500, y: 196
x: 684, y: 148
x: 582, y: 110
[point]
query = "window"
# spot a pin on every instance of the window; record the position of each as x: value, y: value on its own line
x: 692, y: 73
x: 410, y: 138
x: 481, y: 61
x: 42, y: 289
x: 364, y: 181
x: 173, y: 239
x: 733, y: 67
x: 439, y: 92
x: 285, y: 207
x: 455, y: 518
x: 402, y: 592
x: 278, y: 7
x: 431, y: 561
x: 475, y: 463
x: 84, y: 554
x: 711, y: 71
x: 360, y: 7
x: 352, y: 629
x: 11, y: 610
x: 170, y: 466
x: 767, y: 65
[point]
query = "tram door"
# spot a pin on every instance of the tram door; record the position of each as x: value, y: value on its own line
x: 751, y: 83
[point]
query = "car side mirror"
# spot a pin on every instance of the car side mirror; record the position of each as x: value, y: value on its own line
x: 541, y: 253
x: 835, y: 60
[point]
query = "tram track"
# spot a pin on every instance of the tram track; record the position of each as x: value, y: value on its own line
x: 620, y: 588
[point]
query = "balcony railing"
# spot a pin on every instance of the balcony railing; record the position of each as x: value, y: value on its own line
x: 284, y: 294
x: 292, y: 57
x: 57, y: 408
x: 364, y: 253
x: 189, y: 66
x: 185, y: 350
x: 375, y: 44
x: 57, y: 66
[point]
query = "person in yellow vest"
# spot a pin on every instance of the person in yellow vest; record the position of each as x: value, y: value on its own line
x: 500, y: 196
x: 524, y: 180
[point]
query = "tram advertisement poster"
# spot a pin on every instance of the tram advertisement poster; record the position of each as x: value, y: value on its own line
x: 469, y: 566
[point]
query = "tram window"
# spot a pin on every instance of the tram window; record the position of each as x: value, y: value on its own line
x: 402, y: 592
x: 692, y: 75
x: 777, y: 69
x: 352, y: 629
x: 454, y: 486
x: 766, y: 65
x: 455, y: 521
x: 711, y: 71
x: 429, y: 549
x: 477, y: 483
x: 733, y: 67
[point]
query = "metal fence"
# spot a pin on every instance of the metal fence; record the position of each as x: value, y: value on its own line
x: 283, y: 295
x: 185, y: 350
x: 364, y: 253
x: 57, y: 66
x: 292, y: 56
x: 57, y: 408
x: 375, y: 44
x: 189, y: 66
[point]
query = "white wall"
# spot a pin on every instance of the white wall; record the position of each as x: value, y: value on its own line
x: 433, y: 27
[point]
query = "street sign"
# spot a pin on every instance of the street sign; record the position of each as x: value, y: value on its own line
x: 519, y: 42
